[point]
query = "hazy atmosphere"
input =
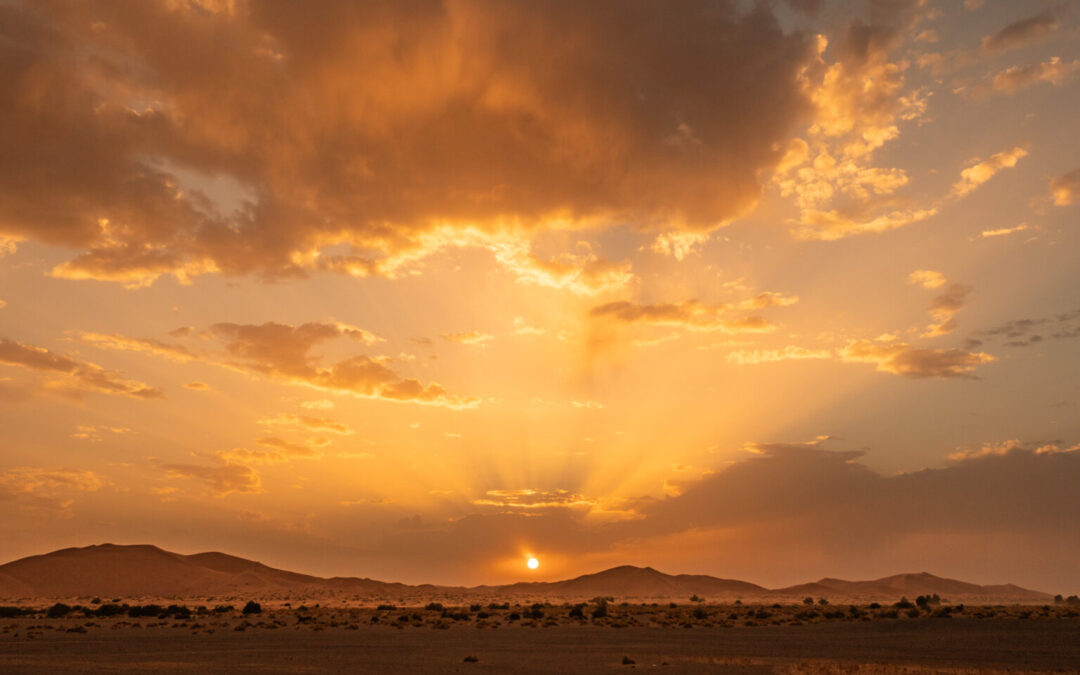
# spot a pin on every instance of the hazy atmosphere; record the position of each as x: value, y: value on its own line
x: 419, y: 291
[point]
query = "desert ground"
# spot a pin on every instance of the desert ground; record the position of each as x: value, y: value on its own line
x: 541, y: 637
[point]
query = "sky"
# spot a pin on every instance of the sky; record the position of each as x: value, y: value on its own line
x: 417, y: 291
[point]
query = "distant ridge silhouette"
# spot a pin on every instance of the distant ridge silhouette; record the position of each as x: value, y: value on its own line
x: 132, y: 571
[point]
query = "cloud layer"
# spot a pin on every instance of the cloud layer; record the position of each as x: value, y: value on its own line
x: 466, y: 116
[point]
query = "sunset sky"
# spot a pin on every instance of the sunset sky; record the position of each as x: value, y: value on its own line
x: 417, y: 291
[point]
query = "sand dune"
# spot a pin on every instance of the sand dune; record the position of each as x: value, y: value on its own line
x: 148, y: 571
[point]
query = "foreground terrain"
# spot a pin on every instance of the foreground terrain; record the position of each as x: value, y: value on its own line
x: 594, y: 637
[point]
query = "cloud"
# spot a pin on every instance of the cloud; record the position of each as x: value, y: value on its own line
x: 903, y: 359
x: 678, y: 245
x: 1054, y: 71
x: 96, y: 432
x: 1066, y: 188
x: 690, y: 314
x: 69, y: 375
x: 982, y: 171
x: 927, y: 278
x: 197, y: 386
x: 282, y: 352
x: 1022, y: 332
x: 1020, y: 33
x: 471, y: 337
x: 46, y: 488
x: 145, y: 345
x: 768, y: 299
x: 944, y: 307
x: 307, y: 423
x: 522, y: 327
x: 321, y: 404
x: 833, y: 225
x: 219, y: 480
x: 861, y: 100
x: 1002, y: 231
x: 590, y: 405
x: 1003, y: 448
x: 533, y: 499
x: 789, y: 353
x: 889, y: 356
x: 273, y: 450
x: 309, y: 448
x: 456, y: 122
x: 829, y: 501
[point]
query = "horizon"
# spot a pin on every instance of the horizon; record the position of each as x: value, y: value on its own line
x: 471, y: 293
x: 595, y: 573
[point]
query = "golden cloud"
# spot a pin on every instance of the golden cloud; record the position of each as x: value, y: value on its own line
x: 1066, y: 188
x: 307, y: 423
x: 47, y: 488
x: 283, y: 352
x: 901, y: 358
x: 69, y: 375
x: 689, y: 314
x: 470, y: 115
x: 789, y: 353
x: 471, y: 337
x: 982, y: 171
x: 219, y: 480
x: 927, y: 278
x: 1054, y: 71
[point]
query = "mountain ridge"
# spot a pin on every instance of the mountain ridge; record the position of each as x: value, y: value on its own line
x: 144, y: 570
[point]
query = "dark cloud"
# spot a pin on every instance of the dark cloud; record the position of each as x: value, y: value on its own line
x: 943, y: 309
x: 185, y: 138
x: 1020, y: 33
x: 796, y: 501
x: 1027, y: 332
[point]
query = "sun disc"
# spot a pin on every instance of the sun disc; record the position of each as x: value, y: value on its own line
x: 533, y: 563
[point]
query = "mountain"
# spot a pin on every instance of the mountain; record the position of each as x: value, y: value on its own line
x: 912, y: 586
x: 144, y: 571
x: 639, y: 582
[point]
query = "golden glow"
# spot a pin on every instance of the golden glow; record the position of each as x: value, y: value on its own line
x: 532, y: 563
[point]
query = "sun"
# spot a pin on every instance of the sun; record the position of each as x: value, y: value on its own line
x: 533, y: 563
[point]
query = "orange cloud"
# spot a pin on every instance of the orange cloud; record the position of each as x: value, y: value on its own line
x: 927, y: 278
x: 1066, y: 188
x: 1054, y: 71
x: 903, y: 359
x: 791, y: 352
x: 982, y: 171
x: 220, y: 480
x: 70, y: 375
x: 283, y: 352
x: 690, y: 314
x: 471, y: 337
x: 307, y: 423
x: 47, y: 488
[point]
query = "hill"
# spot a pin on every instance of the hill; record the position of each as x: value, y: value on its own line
x: 142, y: 571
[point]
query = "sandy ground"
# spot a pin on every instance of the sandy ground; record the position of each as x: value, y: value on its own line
x: 925, y: 645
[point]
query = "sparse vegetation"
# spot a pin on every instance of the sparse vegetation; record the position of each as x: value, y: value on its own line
x: 252, y: 607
